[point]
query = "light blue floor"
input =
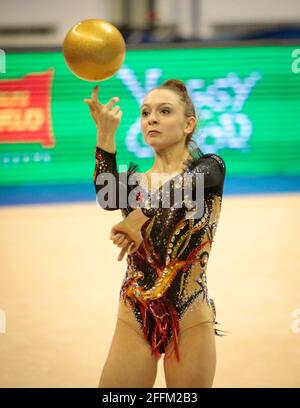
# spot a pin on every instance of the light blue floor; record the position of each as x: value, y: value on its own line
x: 84, y: 192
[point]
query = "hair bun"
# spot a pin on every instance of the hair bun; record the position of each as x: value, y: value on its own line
x: 176, y: 83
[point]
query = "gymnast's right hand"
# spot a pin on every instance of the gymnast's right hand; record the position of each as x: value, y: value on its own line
x: 106, y: 117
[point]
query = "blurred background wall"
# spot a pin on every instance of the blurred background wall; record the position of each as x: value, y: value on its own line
x: 37, y: 23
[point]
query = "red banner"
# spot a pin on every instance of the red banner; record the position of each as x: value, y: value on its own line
x: 25, y: 110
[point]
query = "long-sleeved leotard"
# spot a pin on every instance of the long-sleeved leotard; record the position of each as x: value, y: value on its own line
x: 168, y: 272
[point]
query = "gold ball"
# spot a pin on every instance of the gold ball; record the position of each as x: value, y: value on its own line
x: 94, y: 50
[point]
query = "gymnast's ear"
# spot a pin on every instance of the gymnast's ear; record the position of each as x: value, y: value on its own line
x: 190, y: 124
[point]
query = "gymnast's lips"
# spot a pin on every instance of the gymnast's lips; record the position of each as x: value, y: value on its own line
x: 153, y: 131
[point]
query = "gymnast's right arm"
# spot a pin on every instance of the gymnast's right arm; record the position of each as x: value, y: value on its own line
x: 107, y: 118
x: 106, y: 179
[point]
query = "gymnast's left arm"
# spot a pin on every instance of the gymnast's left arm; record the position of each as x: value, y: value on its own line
x: 130, y: 230
x: 214, y: 169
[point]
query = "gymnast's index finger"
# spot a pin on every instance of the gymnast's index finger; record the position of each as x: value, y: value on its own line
x: 95, y: 93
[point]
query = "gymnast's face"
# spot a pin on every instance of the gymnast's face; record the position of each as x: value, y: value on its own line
x: 162, y: 110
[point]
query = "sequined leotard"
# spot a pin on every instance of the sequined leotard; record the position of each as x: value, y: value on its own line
x: 168, y: 272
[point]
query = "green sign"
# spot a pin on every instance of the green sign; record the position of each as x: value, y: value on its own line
x: 247, y: 101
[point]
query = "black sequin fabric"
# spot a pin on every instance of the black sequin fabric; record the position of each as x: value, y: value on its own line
x: 167, y: 274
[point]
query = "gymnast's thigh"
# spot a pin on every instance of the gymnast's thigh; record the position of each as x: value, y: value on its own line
x: 197, y: 350
x: 126, y: 315
x: 129, y: 362
x: 198, y: 312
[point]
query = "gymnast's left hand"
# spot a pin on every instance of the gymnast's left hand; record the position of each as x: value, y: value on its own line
x: 126, y: 237
x: 121, y: 241
x: 129, y: 230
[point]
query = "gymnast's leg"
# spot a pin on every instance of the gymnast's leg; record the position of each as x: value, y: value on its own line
x: 197, y: 365
x: 129, y: 362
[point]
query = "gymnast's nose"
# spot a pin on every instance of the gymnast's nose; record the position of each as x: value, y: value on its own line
x: 152, y: 119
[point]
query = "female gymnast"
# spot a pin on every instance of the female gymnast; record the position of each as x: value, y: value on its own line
x: 164, y: 306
